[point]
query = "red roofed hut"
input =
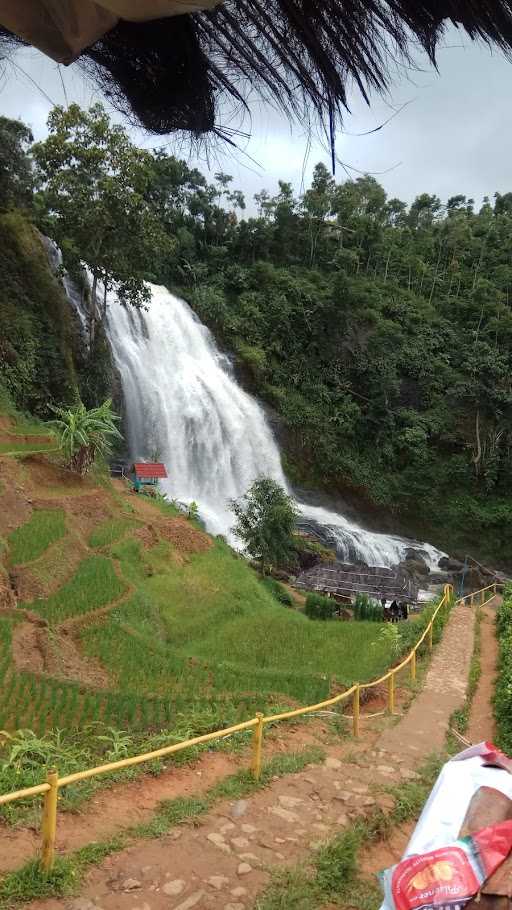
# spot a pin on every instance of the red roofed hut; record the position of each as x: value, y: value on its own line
x: 147, y: 473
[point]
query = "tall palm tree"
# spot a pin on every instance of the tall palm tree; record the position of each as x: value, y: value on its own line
x: 83, y: 433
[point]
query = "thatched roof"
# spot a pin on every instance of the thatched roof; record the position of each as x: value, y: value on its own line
x: 176, y: 73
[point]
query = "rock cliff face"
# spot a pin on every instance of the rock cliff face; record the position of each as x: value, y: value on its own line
x: 43, y: 356
x: 37, y: 362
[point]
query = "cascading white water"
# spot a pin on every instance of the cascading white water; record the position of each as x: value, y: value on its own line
x: 184, y: 406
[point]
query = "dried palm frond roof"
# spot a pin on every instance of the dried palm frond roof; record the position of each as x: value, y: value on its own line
x: 176, y: 72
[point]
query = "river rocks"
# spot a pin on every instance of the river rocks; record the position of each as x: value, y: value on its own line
x: 415, y: 564
x: 448, y: 564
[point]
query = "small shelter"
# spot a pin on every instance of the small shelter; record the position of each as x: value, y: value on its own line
x: 147, y: 473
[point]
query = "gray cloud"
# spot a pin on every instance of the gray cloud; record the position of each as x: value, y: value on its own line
x: 454, y: 135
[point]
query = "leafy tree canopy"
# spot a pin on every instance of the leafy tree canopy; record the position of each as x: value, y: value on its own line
x: 265, y: 521
x: 94, y: 185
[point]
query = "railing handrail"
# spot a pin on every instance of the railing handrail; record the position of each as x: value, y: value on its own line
x: 54, y: 783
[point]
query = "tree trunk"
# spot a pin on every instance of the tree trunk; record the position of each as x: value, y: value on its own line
x: 92, y: 312
x: 387, y: 266
x: 478, y: 454
x: 104, y: 308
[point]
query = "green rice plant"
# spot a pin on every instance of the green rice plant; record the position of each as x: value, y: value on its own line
x: 367, y: 609
x: 26, y: 448
x: 277, y: 590
x: 28, y: 542
x: 111, y: 530
x: 93, y: 585
x: 320, y: 607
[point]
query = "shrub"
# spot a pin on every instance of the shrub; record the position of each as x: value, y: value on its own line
x: 503, y: 692
x: 277, y: 590
x: 320, y: 607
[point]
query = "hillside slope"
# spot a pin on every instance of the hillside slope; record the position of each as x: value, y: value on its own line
x: 117, y: 608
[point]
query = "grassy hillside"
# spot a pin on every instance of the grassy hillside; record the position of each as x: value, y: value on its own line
x: 118, y: 609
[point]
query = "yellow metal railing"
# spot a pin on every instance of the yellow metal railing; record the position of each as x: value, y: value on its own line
x: 257, y: 724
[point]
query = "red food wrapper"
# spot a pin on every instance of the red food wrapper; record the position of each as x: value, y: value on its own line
x: 447, y: 878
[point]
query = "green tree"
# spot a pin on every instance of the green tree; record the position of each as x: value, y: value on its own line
x: 95, y: 185
x: 16, y: 176
x: 265, y: 521
x: 84, y: 434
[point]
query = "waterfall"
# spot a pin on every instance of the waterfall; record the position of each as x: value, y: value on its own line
x: 185, y: 408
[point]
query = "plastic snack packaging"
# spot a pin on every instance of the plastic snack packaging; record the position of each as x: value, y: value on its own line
x: 449, y: 876
x: 463, y: 836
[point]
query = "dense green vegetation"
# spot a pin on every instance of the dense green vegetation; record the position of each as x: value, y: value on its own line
x: 503, y: 691
x: 380, y: 333
x: 31, y: 540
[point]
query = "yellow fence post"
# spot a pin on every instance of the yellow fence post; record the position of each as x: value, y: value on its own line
x: 257, y: 746
x: 391, y: 693
x: 49, y: 825
x: 355, y: 712
x: 431, y: 637
x: 472, y: 601
x: 413, y: 666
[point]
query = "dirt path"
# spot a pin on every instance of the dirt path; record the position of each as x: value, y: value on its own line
x: 481, y: 719
x: 223, y: 862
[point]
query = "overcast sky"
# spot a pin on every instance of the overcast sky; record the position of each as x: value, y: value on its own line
x: 453, y: 136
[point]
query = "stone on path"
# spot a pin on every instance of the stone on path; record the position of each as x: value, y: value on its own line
x: 131, y: 884
x: 191, y: 901
x: 218, y: 841
x: 290, y: 802
x: 82, y: 903
x: 285, y: 814
x: 333, y: 764
x: 177, y: 886
x: 218, y: 881
x: 238, y: 892
x: 233, y: 907
x: 240, y: 843
x: 244, y: 869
